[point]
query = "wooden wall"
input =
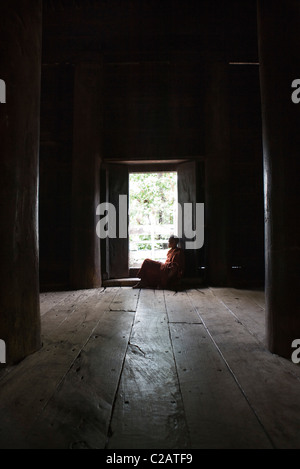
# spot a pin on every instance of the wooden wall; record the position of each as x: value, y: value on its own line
x: 153, y: 110
x: 156, y: 78
x: 55, y: 175
x: 246, y: 205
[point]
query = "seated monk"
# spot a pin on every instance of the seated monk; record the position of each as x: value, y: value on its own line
x: 154, y: 274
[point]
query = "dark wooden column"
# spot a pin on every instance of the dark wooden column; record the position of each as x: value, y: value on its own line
x: 20, y: 52
x: 217, y: 174
x: 88, y: 112
x: 279, y: 26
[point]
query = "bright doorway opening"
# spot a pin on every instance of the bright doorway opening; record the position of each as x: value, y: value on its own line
x: 153, y: 215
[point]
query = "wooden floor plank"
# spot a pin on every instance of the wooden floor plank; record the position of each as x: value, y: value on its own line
x: 151, y: 300
x: 55, y: 316
x: 272, y: 391
x: 67, y: 310
x: 51, y: 300
x: 249, y: 307
x: 245, y: 309
x: 256, y: 295
x: 78, y: 414
x: 148, y: 412
x: 195, y: 365
x: 217, y: 413
x: 125, y: 300
x: 31, y: 384
x: 179, y: 308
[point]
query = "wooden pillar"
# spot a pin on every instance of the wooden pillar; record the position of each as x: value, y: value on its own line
x: 88, y: 112
x: 217, y: 175
x: 20, y: 51
x: 278, y: 27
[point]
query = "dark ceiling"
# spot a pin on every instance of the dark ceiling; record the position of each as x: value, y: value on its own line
x: 149, y: 29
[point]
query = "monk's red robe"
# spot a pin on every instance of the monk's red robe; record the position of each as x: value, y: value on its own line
x: 156, y: 274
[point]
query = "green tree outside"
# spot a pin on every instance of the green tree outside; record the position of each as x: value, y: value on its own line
x: 152, y: 214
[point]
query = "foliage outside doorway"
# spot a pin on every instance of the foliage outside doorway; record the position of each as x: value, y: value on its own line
x: 153, y: 215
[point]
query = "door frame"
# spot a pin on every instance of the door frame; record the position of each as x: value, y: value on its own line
x: 143, y: 166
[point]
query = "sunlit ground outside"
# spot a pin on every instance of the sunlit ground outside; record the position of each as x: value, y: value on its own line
x: 152, y: 215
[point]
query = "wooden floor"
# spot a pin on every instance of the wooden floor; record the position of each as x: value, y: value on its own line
x: 128, y: 369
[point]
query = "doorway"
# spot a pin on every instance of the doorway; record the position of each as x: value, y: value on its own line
x: 122, y: 256
x: 153, y: 215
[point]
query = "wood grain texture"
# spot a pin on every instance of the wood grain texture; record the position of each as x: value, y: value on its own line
x: 122, y: 368
x: 20, y: 38
x: 267, y: 383
x: 78, y: 414
x: 149, y: 411
x: 31, y: 385
x: 217, y: 413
